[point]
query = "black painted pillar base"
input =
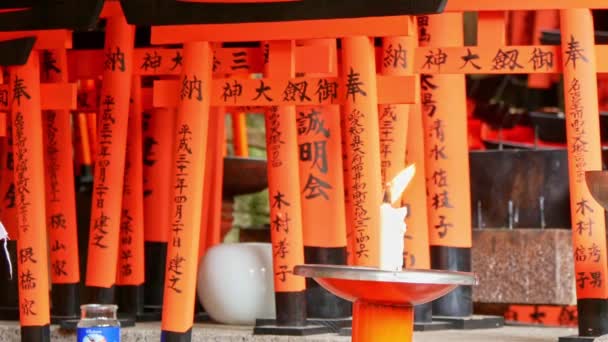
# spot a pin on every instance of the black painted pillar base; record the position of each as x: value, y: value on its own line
x: 130, y: 300
x: 101, y: 295
x: 320, y: 303
x: 576, y: 339
x: 170, y: 336
x: 458, y: 303
x: 592, y: 320
x: 156, y: 255
x: 456, y: 307
x: 291, y: 317
x: 9, y: 300
x: 36, y: 333
x: 65, y: 300
x: 423, y: 319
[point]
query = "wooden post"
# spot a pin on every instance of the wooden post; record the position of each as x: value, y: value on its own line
x: 131, y: 265
x: 322, y: 193
x: 363, y: 181
x: 32, y: 246
x: 109, y: 161
x: 60, y: 196
x: 187, y: 178
x: 447, y: 161
x: 158, y: 146
x: 284, y: 193
x: 584, y: 154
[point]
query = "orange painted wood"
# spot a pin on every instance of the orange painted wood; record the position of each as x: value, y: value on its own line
x: 363, y: 180
x: 32, y: 246
x: 130, y: 265
x: 321, y: 175
x: 543, y: 20
x: 59, y: 176
x: 109, y: 157
x: 283, y: 183
x: 513, y: 5
x: 160, y: 61
x: 48, y: 39
x: 491, y: 28
x: 54, y: 96
x: 391, y: 90
x: 444, y: 114
x: 307, y: 29
x: 490, y: 60
x: 239, y: 133
x: 584, y: 153
x: 189, y: 158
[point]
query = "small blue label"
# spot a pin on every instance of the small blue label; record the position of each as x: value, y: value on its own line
x: 101, y: 334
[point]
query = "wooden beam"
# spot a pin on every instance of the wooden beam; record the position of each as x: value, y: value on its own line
x: 514, y: 5
x: 308, y: 29
x: 53, y: 96
x: 88, y: 64
x: 233, y: 92
x: 532, y: 59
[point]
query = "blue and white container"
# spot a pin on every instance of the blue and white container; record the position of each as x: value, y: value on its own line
x: 98, y: 323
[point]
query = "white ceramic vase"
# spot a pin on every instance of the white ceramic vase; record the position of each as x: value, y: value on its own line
x: 235, y: 283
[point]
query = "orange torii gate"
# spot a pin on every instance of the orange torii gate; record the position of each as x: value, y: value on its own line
x: 39, y: 141
x: 280, y: 91
x: 168, y: 63
x: 579, y: 60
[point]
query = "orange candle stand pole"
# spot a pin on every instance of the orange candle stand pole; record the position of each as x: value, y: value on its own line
x: 363, y: 180
x: 158, y: 146
x: 104, y: 236
x: 382, y: 323
x: 32, y: 245
x: 239, y: 134
x: 188, y: 180
x: 285, y: 203
x: 60, y: 195
x: 584, y: 154
x: 322, y: 194
x: 131, y: 265
x: 447, y: 163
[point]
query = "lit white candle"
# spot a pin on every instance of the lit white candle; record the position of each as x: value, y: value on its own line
x: 392, y: 218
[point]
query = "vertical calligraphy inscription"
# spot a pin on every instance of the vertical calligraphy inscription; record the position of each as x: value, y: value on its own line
x: 275, y: 139
x: 388, y: 118
x: 180, y: 198
x: 57, y: 221
x: 280, y: 225
x: 104, y: 157
x: 358, y: 190
x: 435, y: 128
x: 313, y: 150
x: 587, y: 217
x: 126, y: 224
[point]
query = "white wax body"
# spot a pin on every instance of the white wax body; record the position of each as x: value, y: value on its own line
x: 392, y: 233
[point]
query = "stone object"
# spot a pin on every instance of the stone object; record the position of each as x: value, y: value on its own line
x: 531, y: 266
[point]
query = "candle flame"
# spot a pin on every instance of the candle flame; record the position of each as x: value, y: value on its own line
x: 392, y: 225
x: 395, y: 188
